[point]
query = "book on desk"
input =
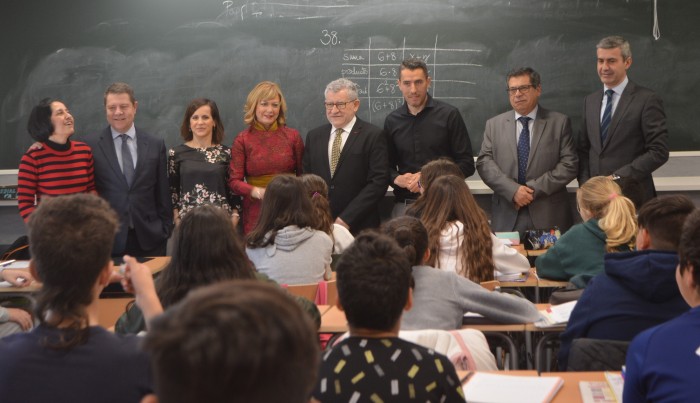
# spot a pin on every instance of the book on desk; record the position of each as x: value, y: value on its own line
x: 555, y: 315
x: 485, y: 387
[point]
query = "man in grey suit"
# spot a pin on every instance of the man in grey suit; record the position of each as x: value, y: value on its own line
x: 527, y: 158
x: 131, y: 174
x: 623, y: 134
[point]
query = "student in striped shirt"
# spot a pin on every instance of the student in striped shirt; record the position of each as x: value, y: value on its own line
x: 60, y: 166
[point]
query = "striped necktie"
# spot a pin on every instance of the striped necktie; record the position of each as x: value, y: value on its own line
x: 127, y: 161
x: 607, y: 117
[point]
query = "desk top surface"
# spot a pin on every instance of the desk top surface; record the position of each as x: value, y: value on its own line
x: 570, y: 392
x: 156, y: 264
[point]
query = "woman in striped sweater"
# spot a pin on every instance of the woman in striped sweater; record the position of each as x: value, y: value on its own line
x: 60, y: 166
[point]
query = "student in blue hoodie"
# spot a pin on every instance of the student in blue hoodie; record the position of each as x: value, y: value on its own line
x: 638, y: 289
x: 663, y: 362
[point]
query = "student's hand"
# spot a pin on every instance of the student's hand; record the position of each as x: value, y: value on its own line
x: 235, y: 218
x: 523, y: 196
x: 138, y: 280
x: 35, y: 146
x: 18, y: 278
x: 340, y: 221
x: 20, y: 317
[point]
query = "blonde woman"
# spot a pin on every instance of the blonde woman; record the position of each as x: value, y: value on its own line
x: 265, y: 149
x: 609, y: 225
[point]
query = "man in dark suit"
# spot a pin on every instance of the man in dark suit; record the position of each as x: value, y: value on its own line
x: 132, y: 177
x: 351, y: 156
x: 624, y: 126
x: 528, y: 157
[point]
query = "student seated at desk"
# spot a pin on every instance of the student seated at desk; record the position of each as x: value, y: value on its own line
x: 237, y: 341
x: 460, y: 239
x: 441, y: 298
x: 206, y: 250
x: 373, y: 364
x: 68, y: 357
x: 638, y: 289
x: 283, y: 244
x: 15, y: 320
x: 663, y: 362
x: 609, y: 225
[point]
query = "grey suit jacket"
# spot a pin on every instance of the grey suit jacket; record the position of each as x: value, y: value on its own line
x: 148, y: 201
x: 637, y: 141
x: 552, y: 164
x: 360, y: 179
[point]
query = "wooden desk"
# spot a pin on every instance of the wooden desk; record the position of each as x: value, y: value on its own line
x: 156, y: 264
x: 569, y: 392
x: 333, y: 321
x: 532, y: 281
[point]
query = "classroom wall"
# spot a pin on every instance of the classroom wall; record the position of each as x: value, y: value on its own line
x: 172, y: 51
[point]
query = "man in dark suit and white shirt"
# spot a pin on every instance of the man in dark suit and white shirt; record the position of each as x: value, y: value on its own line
x: 351, y: 156
x: 528, y: 157
x: 132, y: 177
x: 624, y: 126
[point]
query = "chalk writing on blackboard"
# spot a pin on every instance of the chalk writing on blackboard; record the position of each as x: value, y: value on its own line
x: 376, y: 70
x: 300, y: 10
x: 8, y: 192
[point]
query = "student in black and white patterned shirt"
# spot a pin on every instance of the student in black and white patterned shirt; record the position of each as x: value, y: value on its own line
x: 373, y: 364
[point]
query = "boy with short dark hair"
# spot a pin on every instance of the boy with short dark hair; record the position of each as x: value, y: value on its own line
x: 638, y: 289
x: 373, y: 364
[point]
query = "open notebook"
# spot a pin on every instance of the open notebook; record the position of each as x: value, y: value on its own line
x: 494, y: 388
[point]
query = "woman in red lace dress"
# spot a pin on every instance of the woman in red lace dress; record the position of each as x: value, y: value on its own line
x: 265, y: 149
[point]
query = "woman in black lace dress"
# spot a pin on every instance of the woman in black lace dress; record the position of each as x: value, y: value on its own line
x: 198, y: 169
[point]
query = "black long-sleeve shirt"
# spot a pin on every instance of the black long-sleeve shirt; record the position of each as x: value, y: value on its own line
x: 436, y: 131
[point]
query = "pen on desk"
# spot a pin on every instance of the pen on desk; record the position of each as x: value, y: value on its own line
x: 466, y: 377
x: 7, y: 263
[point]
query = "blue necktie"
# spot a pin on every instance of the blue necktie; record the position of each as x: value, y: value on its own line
x: 127, y: 161
x: 523, y: 149
x: 607, y: 117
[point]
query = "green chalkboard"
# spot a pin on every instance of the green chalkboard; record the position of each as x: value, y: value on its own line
x: 174, y: 50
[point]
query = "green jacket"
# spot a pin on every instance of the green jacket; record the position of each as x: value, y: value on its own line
x: 577, y: 256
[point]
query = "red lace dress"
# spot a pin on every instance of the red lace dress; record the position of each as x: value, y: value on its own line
x: 258, y: 155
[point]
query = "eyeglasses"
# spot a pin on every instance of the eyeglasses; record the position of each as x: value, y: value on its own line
x: 340, y: 105
x: 524, y: 89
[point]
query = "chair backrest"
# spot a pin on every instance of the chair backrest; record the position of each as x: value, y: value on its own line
x: 491, y: 285
x: 331, y: 297
x: 597, y: 355
x: 307, y: 291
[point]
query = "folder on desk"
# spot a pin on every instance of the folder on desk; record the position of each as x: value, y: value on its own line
x: 515, y: 277
x: 513, y: 237
x: 556, y: 315
x: 491, y: 388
